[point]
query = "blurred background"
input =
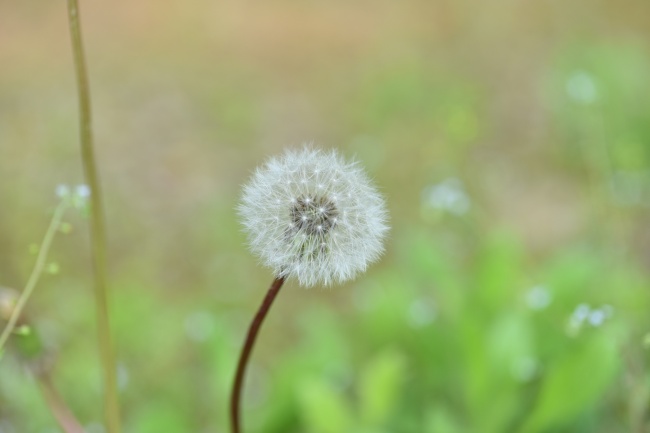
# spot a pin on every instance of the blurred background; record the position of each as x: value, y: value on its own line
x: 511, y: 139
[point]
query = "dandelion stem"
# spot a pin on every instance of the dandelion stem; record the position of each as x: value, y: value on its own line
x: 97, y: 231
x: 247, y: 349
x: 36, y: 272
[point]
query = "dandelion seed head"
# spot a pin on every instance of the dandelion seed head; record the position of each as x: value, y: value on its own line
x: 311, y: 215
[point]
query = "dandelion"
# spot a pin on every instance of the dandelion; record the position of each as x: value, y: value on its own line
x: 312, y: 216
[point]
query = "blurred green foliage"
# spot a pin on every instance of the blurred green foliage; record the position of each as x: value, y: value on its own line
x: 513, y: 145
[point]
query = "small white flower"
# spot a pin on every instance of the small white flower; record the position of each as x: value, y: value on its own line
x: 596, y: 317
x: 448, y: 195
x: 82, y: 191
x: 582, y: 88
x: 421, y: 312
x: 62, y: 191
x: 311, y: 215
x: 581, y: 312
x: 538, y: 297
x: 81, y: 196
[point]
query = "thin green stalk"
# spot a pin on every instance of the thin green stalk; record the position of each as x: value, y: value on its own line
x: 97, y: 231
x: 36, y: 272
x: 31, y: 351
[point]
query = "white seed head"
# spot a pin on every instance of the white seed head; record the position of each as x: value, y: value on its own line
x: 311, y: 215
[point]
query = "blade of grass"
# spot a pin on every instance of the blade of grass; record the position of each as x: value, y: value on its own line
x: 97, y: 231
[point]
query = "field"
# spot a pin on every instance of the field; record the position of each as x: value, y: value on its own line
x: 510, y: 139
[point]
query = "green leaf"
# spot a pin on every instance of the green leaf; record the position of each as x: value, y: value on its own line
x: 323, y: 408
x: 379, y: 387
x: 574, y: 383
x: 440, y: 420
x: 510, y: 341
x: 499, y: 270
x: 161, y: 417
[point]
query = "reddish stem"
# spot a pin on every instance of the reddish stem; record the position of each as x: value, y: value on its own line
x: 247, y: 349
x: 60, y: 410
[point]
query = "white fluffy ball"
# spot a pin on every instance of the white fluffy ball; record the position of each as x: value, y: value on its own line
x: 311, y: 215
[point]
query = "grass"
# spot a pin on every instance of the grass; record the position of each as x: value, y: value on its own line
x: 542, y: 120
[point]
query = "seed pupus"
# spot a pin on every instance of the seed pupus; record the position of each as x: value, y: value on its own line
x: 315, y: 216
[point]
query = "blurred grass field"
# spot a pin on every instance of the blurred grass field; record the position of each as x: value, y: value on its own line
x: 511, y: 139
